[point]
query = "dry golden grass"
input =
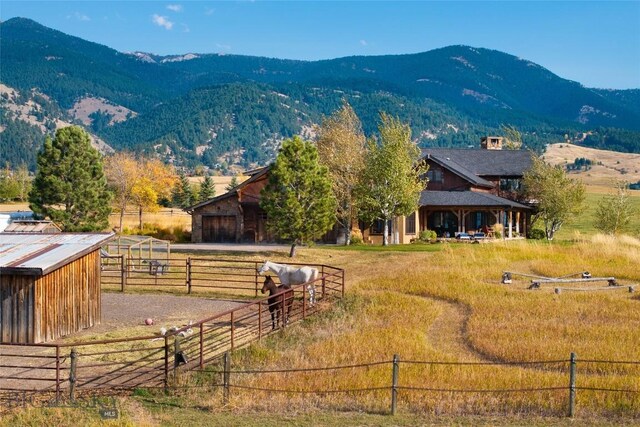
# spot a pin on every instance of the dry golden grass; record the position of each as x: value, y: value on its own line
x: 396, y: 301
x: 615, y: 165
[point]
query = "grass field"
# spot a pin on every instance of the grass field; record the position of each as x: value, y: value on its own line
x: 445, y: 305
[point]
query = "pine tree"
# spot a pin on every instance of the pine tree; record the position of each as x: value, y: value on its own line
x: 233, y: 184
x: 207, y: 189
x: 183, y: 196
x: 298, y: 200
x: 70, y: 186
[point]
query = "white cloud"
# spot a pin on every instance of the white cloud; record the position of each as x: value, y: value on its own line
x: 363, y: 42
x: 209, y: 11
x: 175, y: 7
x: 79, y: 16
x: 162, y: 21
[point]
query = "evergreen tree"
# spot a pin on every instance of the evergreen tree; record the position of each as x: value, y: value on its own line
x: 70, y: 186
x: 207, y: 189
x: 233, y: 184
x: 183, y: 196
x: 391, y: 180
x: 298, y: 200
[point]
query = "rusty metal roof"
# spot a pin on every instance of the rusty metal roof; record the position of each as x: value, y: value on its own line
x: 38, y: 254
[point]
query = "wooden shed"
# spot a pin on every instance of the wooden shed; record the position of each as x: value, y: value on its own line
x: 49, y: 285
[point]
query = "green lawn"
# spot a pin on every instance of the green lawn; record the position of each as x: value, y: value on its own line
x: 585, y: 223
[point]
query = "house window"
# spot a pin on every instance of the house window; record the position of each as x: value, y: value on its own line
x: 378, y: 226
x: 512, y: 184
x: 434, y: 174
x: 410, y: 225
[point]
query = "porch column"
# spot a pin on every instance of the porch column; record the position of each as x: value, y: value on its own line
x: 504, y: 230
x: 524, y: 225
x: 518, y: 222
x: 510, y: 224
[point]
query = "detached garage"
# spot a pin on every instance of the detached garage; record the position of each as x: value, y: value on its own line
x: 49, y: 285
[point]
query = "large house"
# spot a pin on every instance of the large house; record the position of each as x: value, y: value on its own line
x: 469, y: 190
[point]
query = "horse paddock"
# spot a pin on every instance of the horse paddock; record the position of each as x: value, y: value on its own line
x: 190, y: 330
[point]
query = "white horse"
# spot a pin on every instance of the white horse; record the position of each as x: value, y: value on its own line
x: 290, y: 276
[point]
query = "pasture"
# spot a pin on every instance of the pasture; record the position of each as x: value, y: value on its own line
x: 446, y: 305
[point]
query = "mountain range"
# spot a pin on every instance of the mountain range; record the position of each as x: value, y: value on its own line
x: 223, y: 110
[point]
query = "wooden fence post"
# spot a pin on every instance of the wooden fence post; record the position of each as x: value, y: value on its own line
x: 259, y: 320
x: 201, y: 346
x: 572, y: 385
x: 256, y: 277
x: 342, y: 283
x: 166, y: 363
x: 226, y: 377
x: 394, y: 384
x: 72, y: 374
x: 304, y: 301
x: 57, y: 374
x: 123, y: 273
x: 188, y: 275
x: 232, y: 330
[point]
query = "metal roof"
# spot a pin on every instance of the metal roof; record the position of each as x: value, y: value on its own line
x: 39, y: 254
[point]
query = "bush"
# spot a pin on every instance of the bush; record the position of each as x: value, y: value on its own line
x: 536, y: 234
x: 428, y: 236
x: 356, y: 237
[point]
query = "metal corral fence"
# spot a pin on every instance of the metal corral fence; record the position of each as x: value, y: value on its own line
x: 147, y: 361
x: 192, y: 274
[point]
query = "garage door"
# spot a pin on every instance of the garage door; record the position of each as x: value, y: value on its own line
x: 219, y: 229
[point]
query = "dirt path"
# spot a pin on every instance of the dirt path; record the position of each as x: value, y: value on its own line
x: 448, y: 334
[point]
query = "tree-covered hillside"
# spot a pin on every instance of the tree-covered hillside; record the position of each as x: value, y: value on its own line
x: 216, y: 110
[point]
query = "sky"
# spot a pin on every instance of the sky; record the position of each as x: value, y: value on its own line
x: 591, y: 42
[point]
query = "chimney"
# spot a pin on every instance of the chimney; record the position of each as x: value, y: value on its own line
x: 491, y: 142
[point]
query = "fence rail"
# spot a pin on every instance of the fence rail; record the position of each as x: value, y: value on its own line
x: 149, y: 361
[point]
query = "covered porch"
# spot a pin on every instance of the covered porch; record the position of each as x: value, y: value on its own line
x: 449, y: 213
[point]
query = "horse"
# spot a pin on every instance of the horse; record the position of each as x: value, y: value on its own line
x: 280, y: 301
x: 294, y: 276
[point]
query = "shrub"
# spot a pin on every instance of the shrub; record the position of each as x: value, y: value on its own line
x: 356, y: 237
x: 536, y: 234
x: 428, y: 236
x: 174, y: 235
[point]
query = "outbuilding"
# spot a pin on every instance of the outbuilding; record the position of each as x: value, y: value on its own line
x: 49, y: 285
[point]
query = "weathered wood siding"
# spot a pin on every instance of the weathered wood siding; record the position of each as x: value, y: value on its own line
x: 68, y: 299
x: 16, y: 308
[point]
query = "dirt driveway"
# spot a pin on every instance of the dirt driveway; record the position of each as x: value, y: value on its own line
x: 130, y: 310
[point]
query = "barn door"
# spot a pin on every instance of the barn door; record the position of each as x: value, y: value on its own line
x: 219, y: 229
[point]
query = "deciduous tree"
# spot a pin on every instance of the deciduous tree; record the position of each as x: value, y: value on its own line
x: 298, y: 200
x: 512, y: 137
x: 614, y: 212
x: 393, y: 176
x: 341, y: 148
x: 558, y: 197
x: 70, y: 186
x: 156, y: 183
x: 123, y: 172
